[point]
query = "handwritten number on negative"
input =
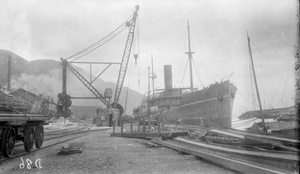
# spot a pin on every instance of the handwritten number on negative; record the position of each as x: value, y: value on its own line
x: 37, y: 163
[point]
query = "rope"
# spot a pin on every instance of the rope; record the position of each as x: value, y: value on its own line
x: 196, y: 68
x: 280, y: 82
x: 245, y: 98
x: 245, y: 123
x: 242, y: 120
x: 267, y: 60
x: 240, y: 125
x: 241, y: 105
x: 184, y: 72
x: 180, y: 72
x: 281, y: 77
x: 208, y: 71
x: 264, y: 92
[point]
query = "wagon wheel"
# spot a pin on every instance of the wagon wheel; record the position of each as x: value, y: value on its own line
x: 29, y: 138
x: 39, y: 136
x: 8, y: 142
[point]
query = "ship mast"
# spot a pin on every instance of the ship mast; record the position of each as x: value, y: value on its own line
x: 190, y: 54
x: 253, y: 70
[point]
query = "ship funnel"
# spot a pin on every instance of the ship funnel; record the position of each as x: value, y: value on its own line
x: 168, y: 76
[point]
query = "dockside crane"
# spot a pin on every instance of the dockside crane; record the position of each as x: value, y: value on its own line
x: 65, y: 100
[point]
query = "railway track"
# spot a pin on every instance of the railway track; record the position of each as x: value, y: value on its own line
x: 51, y: 139
x: 55, y: 135
x: 59, y: 131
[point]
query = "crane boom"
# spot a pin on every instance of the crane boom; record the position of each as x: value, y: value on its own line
x: 126, y: 54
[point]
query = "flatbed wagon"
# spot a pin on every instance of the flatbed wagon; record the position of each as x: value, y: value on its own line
x: 21, y: 120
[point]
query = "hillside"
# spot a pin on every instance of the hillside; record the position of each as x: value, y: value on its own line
x: 44, y: 77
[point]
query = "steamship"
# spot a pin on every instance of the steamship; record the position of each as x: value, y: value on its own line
x: 210, y: 106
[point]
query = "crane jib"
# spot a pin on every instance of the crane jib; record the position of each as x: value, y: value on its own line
x: 125, y: 58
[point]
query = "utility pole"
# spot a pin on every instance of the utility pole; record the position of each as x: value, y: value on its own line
x: 149, y: 112
x: 64, y: 76
x: 64, y: 83
x: 190, y: 54
x: 9, y: 73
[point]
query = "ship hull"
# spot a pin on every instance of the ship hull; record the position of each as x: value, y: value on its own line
x: 210, y: 106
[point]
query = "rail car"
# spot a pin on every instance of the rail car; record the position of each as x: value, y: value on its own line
x: 22, y: 116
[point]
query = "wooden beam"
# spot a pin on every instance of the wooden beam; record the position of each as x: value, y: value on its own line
x: 228, y: 162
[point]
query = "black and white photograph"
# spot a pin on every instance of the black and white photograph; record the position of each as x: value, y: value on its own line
x: 149, y: 86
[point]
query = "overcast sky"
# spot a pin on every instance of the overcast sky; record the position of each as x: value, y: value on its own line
x: 50, y: 29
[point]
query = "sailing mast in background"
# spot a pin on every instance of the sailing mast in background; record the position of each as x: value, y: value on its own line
x: 153, y: 76
x: 190, y: 54
x: 254, y: 76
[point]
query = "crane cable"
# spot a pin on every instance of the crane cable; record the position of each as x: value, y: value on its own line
x: 102, y: 41
x: 96, y: 46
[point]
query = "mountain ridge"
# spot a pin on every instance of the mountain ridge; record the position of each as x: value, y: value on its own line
x: 43, y: 76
